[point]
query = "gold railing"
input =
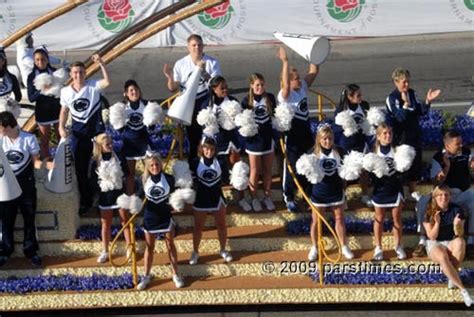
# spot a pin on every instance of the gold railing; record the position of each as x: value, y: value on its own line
x: 320, y: 98
x: 320, y: 221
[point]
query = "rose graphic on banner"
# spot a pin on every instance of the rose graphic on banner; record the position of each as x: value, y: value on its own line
x: 469, y: 4
x: 345, y: 10
x: 218, y: 16
x: 115, y: 15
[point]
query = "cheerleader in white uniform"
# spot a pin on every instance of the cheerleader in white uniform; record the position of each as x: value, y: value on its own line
x: 157, y: 217
x: 209, y: 174
x: 110, y: 171
x: 260, y: 147
x: 8, y: 82
x: 329, y: 192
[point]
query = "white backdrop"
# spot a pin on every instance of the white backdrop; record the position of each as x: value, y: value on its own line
x: 240, y: 21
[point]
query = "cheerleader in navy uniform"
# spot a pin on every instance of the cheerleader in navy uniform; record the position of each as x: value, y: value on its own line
x: 209, y: 173
x: 110, y: 171
x: 299, y: 139
x: 8, y: 82
x: 351, y: 101
x: 47, y: 107
x: 328, y: 193
x: 157, y: 217
x: 260, y: 147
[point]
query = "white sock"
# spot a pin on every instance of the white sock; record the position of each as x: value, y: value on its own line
x: 422, y: 240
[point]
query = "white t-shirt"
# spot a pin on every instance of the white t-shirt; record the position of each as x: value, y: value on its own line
x: 84, y: 103
x: 297, y: 99
x: 184, y: 67
x: 19, y: 152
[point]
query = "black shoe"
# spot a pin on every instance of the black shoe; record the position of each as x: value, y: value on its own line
x: 36, y: 261
x: 3, y: 260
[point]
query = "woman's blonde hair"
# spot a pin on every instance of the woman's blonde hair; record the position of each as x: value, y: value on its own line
x: 268, y: 103
x: 99, y: 142
x: 380, y: 128
x: 148, y: 160
x: 433, y: 207
x: 323, y: 132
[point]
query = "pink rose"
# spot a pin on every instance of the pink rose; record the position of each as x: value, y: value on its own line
x: 345, y: 5
x: 218, y: 11
x: 116, y: 9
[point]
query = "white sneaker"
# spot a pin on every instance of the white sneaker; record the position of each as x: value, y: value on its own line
x: 416, y: 196
x: 367, y: 201
x: 244, y: 205
x: 103, y: 257
x: 226, y: 256
x: 347, y: 252
x: 144, y: 283
x: 256, y: 205
x: 178, y: 281
x: 451, y: 284
x: 378, y: 254
x: 401, y: 255
x: 269, y: 203
x: 194, y: 258
x: 313, y: 253
x: 468, y: 300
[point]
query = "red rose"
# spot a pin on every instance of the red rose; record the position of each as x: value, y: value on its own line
x: 116, y: 9
x: 345, y: 5
x: 218, y: 11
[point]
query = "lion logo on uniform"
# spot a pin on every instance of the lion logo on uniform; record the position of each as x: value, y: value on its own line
x: 14, y: 157
x: 209, y: 175
x: 136, y: 119
x: 81, y: 104
x: 156, y: 192
x: 2, y: 170
x: 329, y: 166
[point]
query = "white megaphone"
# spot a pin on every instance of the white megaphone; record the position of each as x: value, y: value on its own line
x: 182, y: 107
x: 9, y: 187
x: 314, y: 49
x: 59, y: 179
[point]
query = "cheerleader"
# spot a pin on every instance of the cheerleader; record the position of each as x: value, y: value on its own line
x: 260, y: 147
x: 209, y: 173
x: 351, y: 103
x: 388, y: 191
x: 299, y: 139
x: 157, y: 218
x: 110, y: 171
x: 47, y: 107
x: 329, y: 192
x: 8, y: 82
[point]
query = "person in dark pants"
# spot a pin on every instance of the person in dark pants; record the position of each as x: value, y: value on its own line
x: 178, y: 78
x: 22, y: 153
x: 82, y: 99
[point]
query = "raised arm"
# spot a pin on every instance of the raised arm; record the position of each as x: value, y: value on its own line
x: 285, y: 72
x: 312, y: 74
x: 172, y: 85
x: 104, y: 82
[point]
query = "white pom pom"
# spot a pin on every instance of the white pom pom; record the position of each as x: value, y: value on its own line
x: 176, y: 200
x: 351, y: 166
x: 42, y: 81
x: 347, y: 122
x: 375, y: 164
x: 10, y: 105
x: 153, y: 114
x: 60, y: 76
x: 308, y: 165
x: 229, y: 109
x: 375, y: 116
x: 135, y: 204
x: 284, y: 114
x: 403, y: 157
x: 182, y: 174
x: 207, y: 118
x: 110, y: 175
x: 239, y: 176
x: 246, y: 122
x: 189, y: 195
x: 367, y: 129
x: 118, y: 115
x: 123, y: 201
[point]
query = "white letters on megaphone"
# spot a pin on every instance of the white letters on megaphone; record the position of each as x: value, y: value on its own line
x: 9, y: 187
x: 314, y: 49
x: 60, y: 177
x: 181, y: 109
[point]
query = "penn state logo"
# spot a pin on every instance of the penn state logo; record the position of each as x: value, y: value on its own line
x: 329, y: 166
x: 303, y: 106
x: 14, y: 157
x: 2, y: 170
x: 260, y: 111
x: 358, y: 118
x: 136, y: 119
x: 81, y: 104
x: 156, y: 192
x: 391, y: 165
x: 3, y: 87
x: 209, y: 175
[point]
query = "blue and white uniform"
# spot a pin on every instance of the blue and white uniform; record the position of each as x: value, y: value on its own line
x: 47, y: 108
x: 298, y: 140
x: 388, y: 190
x: 227, y: 140
x: 135, y: 133
x: 261, y: 143
x: 9, y: 84
x: 19, y: 154
x: 157, y: 216
x: 209, y: 175
x: 357, y: 141
x: 330, y: 191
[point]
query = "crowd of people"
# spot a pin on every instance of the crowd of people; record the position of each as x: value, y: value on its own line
x: 441, y: 215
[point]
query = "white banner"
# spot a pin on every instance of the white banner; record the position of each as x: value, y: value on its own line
x: 91, y: 25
